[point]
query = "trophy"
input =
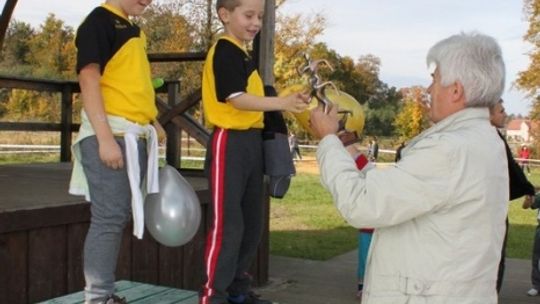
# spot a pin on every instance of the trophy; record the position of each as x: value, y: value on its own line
x: 326, y: 94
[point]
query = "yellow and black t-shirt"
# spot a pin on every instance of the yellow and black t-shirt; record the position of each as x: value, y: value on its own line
x: 229, y: 69
x: 108, y: 38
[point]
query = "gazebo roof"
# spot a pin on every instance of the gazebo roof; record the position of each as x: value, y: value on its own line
x: 9, y: 7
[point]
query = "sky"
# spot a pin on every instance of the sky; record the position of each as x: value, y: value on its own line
x: 398, y: 32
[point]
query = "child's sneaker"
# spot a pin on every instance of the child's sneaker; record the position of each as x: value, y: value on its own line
x: 359, y: 291
x: 533, y: 292
x: 249, y: 298
x: 114, y: 299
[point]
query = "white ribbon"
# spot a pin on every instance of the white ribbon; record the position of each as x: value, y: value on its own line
x: 133, y: 171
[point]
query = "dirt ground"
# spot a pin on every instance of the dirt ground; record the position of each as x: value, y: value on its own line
x: 307, y: 165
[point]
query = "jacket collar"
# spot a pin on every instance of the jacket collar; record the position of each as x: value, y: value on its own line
x: 453, y: 122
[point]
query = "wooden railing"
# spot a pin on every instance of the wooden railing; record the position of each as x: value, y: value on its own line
x: 65, y: 127
x: 171, y: 111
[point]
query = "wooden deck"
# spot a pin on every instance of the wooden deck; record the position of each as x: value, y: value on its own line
x: 137, y: 293
x: 42, y: 232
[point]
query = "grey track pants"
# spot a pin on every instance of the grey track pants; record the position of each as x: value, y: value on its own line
x: 110, y: 211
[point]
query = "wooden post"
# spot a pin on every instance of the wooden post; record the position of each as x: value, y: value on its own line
x: 266, y: 48
x: 173, y: 133
x: 66, y: 123
x: 266, y: 60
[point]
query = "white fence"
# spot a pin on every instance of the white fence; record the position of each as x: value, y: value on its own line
x: 28, y: 149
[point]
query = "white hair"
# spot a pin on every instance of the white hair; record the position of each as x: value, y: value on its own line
x: 474, y: 60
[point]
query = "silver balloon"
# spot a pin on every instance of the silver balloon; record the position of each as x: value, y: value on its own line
x: 173, y: 215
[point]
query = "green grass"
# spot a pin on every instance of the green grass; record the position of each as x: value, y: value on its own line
x: 522, y: 225
x: 305, y: 224
x: 29, y: 158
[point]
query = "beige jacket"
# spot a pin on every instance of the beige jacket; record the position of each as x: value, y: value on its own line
x: 439, y: 212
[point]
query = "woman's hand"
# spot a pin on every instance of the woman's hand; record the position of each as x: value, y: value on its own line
x: 323, y: 124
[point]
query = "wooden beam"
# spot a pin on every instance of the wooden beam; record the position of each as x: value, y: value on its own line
x: 169, y: 112
x: 174, y: 144
x: 36, y: 84
x: 66, y: 122
x: 192, y: 127
x: 177, y: 115
x: 177, y: 57
x: 4, y: 20
x: 35, y: 126
x: 266, y: 47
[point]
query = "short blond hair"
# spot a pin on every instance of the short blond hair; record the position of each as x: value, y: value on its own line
x: 229, y: 5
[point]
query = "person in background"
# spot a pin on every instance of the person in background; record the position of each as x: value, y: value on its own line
x: 364, y: 242
x: 295, y: 148
x: 535, y: 272
x: 364, y: 234
x: 373, y: 150
x: 519, y: 185
x: 234, y: 102
x: 439, y: 214
x: 524, y: 155
x: 398, y: 151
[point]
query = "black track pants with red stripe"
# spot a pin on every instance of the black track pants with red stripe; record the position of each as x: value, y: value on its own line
x: 234, y: 164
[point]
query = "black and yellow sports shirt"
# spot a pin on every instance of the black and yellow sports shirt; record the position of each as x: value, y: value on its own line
x: 228, y: 69
x: 108, y: 38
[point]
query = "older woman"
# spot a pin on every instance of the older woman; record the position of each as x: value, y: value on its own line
x: 439, y: 213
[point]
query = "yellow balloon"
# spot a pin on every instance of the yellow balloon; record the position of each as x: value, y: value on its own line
x: 350, y: 111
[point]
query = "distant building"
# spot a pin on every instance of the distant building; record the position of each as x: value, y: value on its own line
x: 519, y: 129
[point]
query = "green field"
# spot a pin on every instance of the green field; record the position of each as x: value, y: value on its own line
x: 305, y: 224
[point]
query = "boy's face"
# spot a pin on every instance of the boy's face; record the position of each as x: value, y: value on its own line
x: 245, y: 21
x: 130, y: 7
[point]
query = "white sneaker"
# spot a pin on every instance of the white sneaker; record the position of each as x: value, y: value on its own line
x: 532, y: 292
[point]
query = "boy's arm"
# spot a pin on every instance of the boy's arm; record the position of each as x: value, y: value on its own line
x: 109, y: 150
x: 296, y: 103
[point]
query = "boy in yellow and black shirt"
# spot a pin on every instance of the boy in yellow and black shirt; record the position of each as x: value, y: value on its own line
x: 117, y: 145
x: 234, y: 102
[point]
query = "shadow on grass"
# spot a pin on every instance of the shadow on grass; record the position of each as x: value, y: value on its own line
x: 313, y: 244
x: 520, y: 241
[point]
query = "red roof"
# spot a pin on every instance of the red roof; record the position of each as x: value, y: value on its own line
x: 515, y: 124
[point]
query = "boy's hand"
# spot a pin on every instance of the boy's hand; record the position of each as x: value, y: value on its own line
x: 111, y: 154
x: 296, y: 102
x: 161, y: 134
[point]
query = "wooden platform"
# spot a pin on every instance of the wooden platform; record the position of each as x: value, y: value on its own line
x: 42, y: 232
x: 138, y: 293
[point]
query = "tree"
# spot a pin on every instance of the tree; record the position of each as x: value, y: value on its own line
x: 52, y: 50
x: 529, y: 80
x: 381, y: 109
x: 32, y: 106
x: 168, y: 30
x: 295, y: 36
x: 45, y: 53
x: 17, y: 44
x: 412, y: 118
x: 191, y: 25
